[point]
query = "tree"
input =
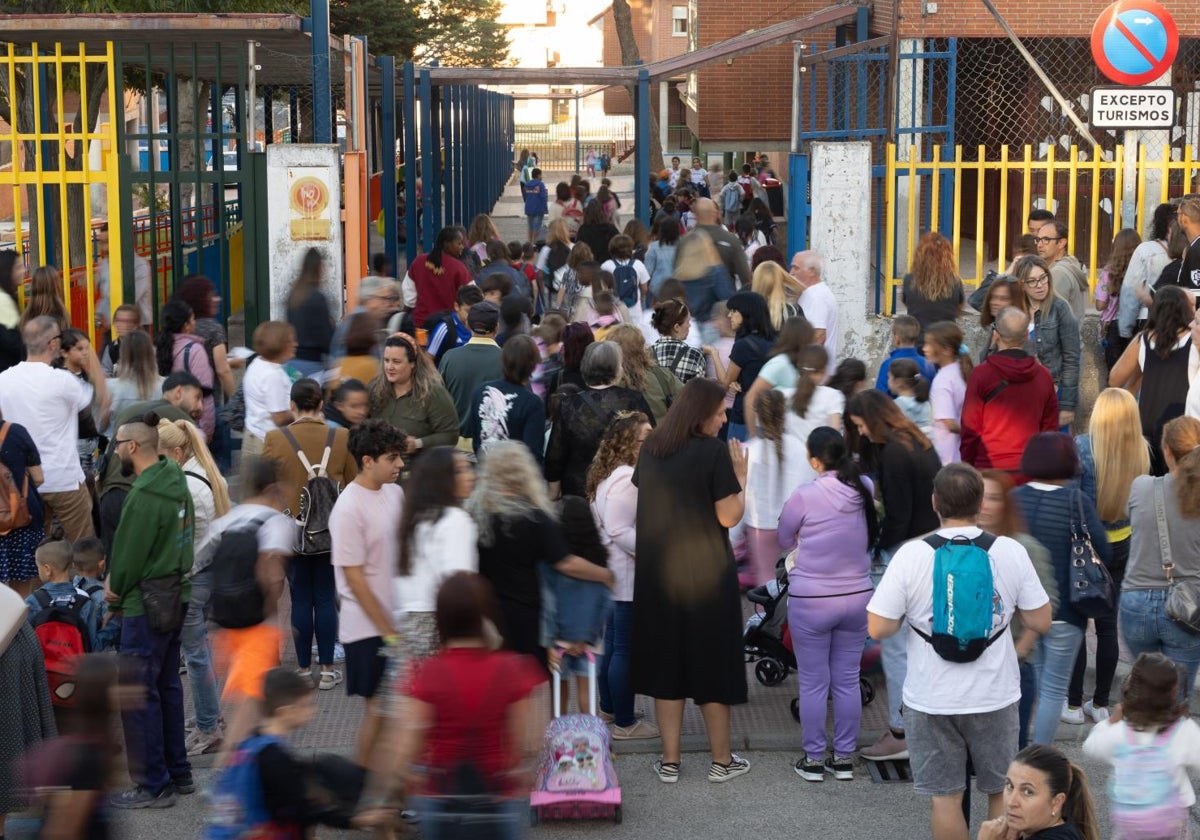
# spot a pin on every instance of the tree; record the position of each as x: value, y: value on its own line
x: 454, y: 33
x: 631, y: 55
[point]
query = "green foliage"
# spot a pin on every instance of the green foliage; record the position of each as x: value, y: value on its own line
x: 455, y: 33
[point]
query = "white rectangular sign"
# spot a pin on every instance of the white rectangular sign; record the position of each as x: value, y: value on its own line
x: 1133, y: 107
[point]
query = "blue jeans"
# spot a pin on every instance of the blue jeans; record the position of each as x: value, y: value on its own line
x: 1029, y: 686
x: 154, y: 731
x: 1055, y: 659
x: 737, y: 431
x: 894, y: 655
x: 310, y: 580
x: 198, y: 655
x: 581, y: 608
x: 1147, y: 629
x: 438, y: 821
x: 616, y: 693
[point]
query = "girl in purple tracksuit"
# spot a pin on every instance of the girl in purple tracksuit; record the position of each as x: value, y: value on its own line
x: 831, y: 524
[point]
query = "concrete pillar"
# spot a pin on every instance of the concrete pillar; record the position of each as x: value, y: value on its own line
x: 663, y: 110
x: 910, y: 111
x: 840, y: 231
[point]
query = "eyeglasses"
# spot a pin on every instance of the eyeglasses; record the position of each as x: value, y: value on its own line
x: 1040, y: 280
x: 1043, y: 240
x: 118, y: 441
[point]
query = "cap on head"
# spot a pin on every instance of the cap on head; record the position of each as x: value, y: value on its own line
x: 483, y: 317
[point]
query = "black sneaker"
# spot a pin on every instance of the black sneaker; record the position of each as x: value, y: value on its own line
x: 184, y: 784
x: 141, y: 797
x: 841, y: 767
x: 810, y: 769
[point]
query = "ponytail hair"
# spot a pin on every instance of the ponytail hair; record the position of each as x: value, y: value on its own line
x: 1064, y: 777
x: 1181, y: 437
x: 184, y: 434
x: 908, y: 372
x: 770, y: 411
x: 949, y: 335
x: 813, y: 359
x: 829, y: 447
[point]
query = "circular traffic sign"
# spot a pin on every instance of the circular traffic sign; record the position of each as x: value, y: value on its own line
x: 1134, y: 41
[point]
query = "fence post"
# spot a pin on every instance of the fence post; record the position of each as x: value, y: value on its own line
x: 411, y: 209
x: 428, y: 152
x: 387, y: 135
x: 797, y: 206
x: 641, y: 169
x: 322, y: 93
x: 46, y: 227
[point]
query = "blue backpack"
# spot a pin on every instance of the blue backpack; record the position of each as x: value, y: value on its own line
x: 963, y: 598
x: 238, y: 807
x: 1144, y: 794
x: 626, y: 281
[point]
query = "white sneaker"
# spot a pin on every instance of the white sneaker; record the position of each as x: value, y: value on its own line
x: 1071, y: 714
x: 1096, y: 713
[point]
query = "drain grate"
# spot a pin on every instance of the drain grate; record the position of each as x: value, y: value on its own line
x: 888, y: 772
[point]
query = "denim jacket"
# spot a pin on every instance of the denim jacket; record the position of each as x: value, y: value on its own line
x: 1056, y: 338
x: 705, y: 292
x: 1087, y: 479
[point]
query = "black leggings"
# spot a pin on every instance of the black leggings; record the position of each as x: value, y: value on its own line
x: 1107, y: 648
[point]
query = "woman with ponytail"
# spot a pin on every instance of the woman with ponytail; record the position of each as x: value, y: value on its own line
x: 181, y: 442
x: 777, y: 467
x: 1046, y: 797
x: 177, y: 347
x: 945, y: 349
x: 831, y: 524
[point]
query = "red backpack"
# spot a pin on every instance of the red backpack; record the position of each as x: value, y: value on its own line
x: 63, y: 634
x: 14, y: 505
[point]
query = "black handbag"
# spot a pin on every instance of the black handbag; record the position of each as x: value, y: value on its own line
x: 1183, y: 596
x: 1092, y: 593
x: 162, y: 600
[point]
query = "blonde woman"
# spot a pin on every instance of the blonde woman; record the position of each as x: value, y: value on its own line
x: 772, y: 282
x: 641, y: 373
x: 1111, y: 455
x: 706, y: 281
x: 183, y: 443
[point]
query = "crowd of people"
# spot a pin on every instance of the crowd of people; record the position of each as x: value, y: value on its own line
x: 521, y: 456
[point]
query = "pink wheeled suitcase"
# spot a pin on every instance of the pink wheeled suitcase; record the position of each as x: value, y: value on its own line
x: 576, y: 779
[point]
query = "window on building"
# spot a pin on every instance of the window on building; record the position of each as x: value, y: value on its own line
x: 679, y: 21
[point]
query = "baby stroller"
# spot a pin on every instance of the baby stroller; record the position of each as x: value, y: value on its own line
x: 768, y: 640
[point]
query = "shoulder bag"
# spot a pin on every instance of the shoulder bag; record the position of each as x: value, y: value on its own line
x: 1092, y: 592
x: 1183, y: 596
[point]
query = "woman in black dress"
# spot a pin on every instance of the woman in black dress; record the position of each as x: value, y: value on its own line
x: 687, y: 616
x: 596, y: 231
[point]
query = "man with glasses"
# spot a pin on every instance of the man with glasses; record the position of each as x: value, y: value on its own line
x: 47, y: 402
x: 1066, y: 272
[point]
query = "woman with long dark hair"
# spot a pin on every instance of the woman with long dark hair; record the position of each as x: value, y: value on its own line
x: 686, y: 605
x: 596, y: 231
x: 1108, y: 293
x: 576, y: 338
x: 783, y: 367
x: 1002, y: 292
x: 437, y: 275
x: 1159, y: 366
x: 903, y: 463
x: 750, y: 318
x: 177, y: 347
x: 308, y: 312
x: 830, y: 523
x: 45, y: 298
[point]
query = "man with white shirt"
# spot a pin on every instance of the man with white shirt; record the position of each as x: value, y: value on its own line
x: 960, y: 708
x: 142, y: 276
x: 47, y: 402
x: 818, y: 303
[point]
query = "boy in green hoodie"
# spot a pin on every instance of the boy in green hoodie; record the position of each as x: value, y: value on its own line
x: 153, y: 541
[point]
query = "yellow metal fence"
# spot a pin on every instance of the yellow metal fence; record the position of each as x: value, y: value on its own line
x: 39, y: 160
x: 983, y: 204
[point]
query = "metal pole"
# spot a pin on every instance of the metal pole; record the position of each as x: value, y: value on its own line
x: 387, y: 133
x: 641, y: 178
x: 251, y: 95
x: 427, y: 155
x: 796, y: 49
x: 408, y: 80
x: 322, y: 89
x: 577, y: 157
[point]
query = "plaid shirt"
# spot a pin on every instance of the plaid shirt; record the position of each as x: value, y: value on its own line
x: 686, y: 365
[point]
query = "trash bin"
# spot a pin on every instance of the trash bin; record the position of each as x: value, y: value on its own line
x: 774, y: 195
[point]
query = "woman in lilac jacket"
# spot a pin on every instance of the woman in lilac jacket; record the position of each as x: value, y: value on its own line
x: 831, y: 524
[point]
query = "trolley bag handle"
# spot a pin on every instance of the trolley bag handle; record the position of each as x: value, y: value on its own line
x: 321, y: 469
x: 556, y: 692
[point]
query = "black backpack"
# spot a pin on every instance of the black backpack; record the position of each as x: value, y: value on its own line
x: 317, y: 498
x: 237, y: 600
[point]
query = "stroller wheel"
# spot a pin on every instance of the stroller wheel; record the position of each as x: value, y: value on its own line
x: 770, y: 671
x: 796, y: 708
x: 867, y: 690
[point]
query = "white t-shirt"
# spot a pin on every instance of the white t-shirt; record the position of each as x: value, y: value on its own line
x: 439, y: 549
x: 820, y: 308
x: 768, y: 486
x: 47, y: 402
x: 825, y: 403
x: 935, y: 686
x: 364, y: 527
x: 276, y: 534
x: 946, y: 396
x: 1183, y: 748
x: 779, y: 372
x: 266, y: 388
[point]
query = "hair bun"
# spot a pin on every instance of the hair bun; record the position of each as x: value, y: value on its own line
x: 151, y: 418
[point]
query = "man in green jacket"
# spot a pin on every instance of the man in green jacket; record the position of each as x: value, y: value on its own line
x: 153, y: 540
